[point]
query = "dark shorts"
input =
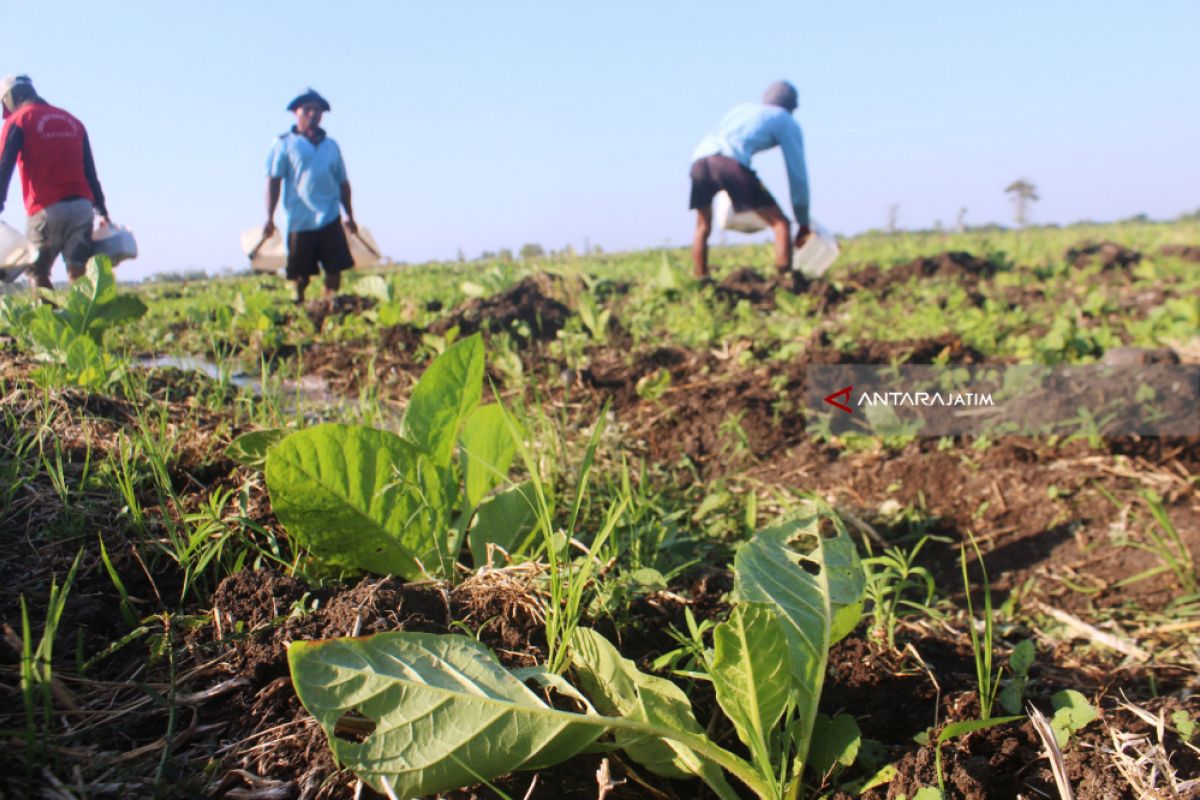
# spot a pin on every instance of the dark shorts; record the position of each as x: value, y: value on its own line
x: 325, y: 246
x: 714, y: 173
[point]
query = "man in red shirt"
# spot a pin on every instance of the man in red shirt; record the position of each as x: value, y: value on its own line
x: 58, y: 178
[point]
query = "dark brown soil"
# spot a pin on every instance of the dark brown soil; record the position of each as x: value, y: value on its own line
x: 1188, y: 252
x: 529, y: 310
x: 953, y: 266
x: 1109, y: 255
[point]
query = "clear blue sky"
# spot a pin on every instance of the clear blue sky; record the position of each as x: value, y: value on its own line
x: 480, y: 125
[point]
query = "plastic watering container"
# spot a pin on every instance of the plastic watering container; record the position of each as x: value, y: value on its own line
x: 270, y: 255
x: 16, y: 253
x: 730, y: 220
x: 114, y: 241
x: 817, y: 254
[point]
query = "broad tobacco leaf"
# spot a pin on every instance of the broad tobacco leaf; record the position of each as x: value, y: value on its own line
x: 618, y: 688
x: 751, y: 673
x: 440, y: 712
x: 817, y: 606
x: 360, y: 498
x: 446, y: 394
x: 487, y: 451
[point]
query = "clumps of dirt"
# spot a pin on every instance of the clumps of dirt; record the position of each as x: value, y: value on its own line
x: 530, y: 310
x: 750, y: 285
x: 1110, y: 255
x: 948, y: 347
x: 955, y: 265
x: 342, y: 305
x: 174, y: 385
x: 1188, y: 252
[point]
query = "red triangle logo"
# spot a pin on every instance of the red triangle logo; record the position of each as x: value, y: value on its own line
x: 843, y: 392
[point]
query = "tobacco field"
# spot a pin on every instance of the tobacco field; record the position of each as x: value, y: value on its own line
x: 556, y: 528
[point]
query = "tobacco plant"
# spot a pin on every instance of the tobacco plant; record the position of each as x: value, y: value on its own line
x: 368, y: 499
x: 413, y: 714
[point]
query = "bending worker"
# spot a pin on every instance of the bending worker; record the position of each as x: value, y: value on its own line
x: 722, y: 162
x: 58, y: 178
x: 308, y: 165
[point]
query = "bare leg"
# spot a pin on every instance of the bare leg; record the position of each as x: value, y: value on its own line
x: 301, y: 287
x: 700, y: 242
x: 783, y: 241
x: 333, y: 282
x: 39, y: 282
x: 75, y: 273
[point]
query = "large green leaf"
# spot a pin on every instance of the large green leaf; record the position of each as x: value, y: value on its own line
x: 487, y: 451
x: 360, y: 498
x: 818, y: 594
x: 751, y: 672
x: 618, y: 688
x: 447, y: 392
x: 504, y: 519
x: 444, y: 712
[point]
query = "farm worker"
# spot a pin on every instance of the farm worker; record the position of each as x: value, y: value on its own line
x: 58, y: 178
x: 308, y: 165
x: 722, y: 161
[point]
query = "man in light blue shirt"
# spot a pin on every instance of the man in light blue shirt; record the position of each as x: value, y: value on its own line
x: 722, y: 162
x: 306, y: 165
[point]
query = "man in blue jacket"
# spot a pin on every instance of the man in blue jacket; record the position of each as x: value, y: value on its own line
x: 722, y: 162
x: 307, y: 166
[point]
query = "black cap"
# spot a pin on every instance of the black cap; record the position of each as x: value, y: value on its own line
x: 310, y: 96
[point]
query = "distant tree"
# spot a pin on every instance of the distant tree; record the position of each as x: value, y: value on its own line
x: 960, y: 222
x: 1195, y: 215
x: 506, y: 255
x: 1023, y: 194
x: 532, y: 251
x: 893, y: 217
x: 487, y: 255
x: 461, y: 256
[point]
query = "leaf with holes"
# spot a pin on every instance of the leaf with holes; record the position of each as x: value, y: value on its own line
x: 413, y: 714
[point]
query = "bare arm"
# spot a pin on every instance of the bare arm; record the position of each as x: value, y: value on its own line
x: 8, y: 159
x: 89, y: 172
x: 350, y: 223
x: 273, y: 186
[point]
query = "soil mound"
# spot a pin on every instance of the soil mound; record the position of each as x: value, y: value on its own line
x: 748, y: 284
x: 952, y: 266
x: 911, y: 351
x: 1188, y: 252
x: 1110, y: 255
x: 529, y: 310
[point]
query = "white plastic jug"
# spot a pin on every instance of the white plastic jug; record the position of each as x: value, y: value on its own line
x: 114, y: 241
x: 730, y: 220
x: 16, y: 253
x: 817, y: 254
x: 270, y: 255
